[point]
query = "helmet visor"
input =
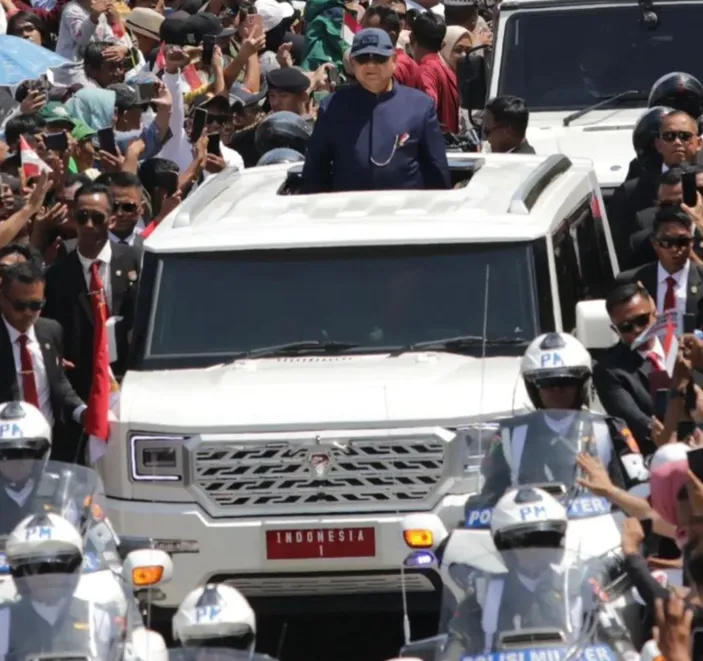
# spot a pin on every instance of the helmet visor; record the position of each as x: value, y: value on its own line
x: 561, y: 376
x: 543, y: 535
x: 24, y: 448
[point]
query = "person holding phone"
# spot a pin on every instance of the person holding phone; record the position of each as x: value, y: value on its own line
x: 218, y: 124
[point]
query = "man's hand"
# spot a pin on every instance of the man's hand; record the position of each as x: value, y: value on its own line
x: 695, y: 213
x: 318, y: 78
x: 673, y: 628
x: 283, y: 56
x: 693, y: 350
x: 254, y: 41
x: 163, y: 98
x: 597, y: 481
x: 111, y: 162
x: 176, y: 58
x: 115, y: 53
x: 39, y: 192
x: 214, y: 163
x: 33, y: 102
x: 484, y: 38
x: 657, y: 431
x: 681, y: 376
x: 53, y: 216
x: 97, y: 7
x: 632, y: 536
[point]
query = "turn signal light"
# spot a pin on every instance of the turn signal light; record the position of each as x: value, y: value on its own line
x: 418, y: 539
x: 143, y: 577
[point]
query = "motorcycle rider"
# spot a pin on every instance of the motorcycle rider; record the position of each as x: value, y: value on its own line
x: 215, y: 616
x: 541, y: 587
x: 556, y: 370
x: 45, y: 556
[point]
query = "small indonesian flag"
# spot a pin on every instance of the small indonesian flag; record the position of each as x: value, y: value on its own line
x: 350, y: 27
x: 670, y: 344
x: 32, y: 165
x: 160, y: 62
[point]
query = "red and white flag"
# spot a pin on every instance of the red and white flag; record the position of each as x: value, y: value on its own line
x: 32, y: 165
x: 670, y: 344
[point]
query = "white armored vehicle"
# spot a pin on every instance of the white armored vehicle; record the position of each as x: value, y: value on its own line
x: 301, y: 365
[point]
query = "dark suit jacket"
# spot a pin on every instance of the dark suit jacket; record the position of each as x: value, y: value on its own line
x: 647, y: 275
x: 64, y: 399
x: 67, y: 301
x: 524, y: 148
x: 621, y: 379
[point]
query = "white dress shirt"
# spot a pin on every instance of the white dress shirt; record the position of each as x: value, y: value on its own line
x: 138, y: 229
x: 104, y: 256
x: 40, y: 376
x: 679, y: 291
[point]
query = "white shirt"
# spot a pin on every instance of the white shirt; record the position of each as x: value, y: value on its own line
x: 105, y: 255
x: 40, y: 377
x: 21, y: 496
x: 47, y: 612
x: 679, y: 291
x: 138, y: 229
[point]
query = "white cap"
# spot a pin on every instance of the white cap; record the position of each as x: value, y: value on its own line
x: 273, y: 12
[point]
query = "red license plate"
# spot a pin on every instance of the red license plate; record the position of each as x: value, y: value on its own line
x: 297, y: 544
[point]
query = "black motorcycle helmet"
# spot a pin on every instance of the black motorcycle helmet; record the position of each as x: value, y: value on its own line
x: 645, y: 133
x: 283, y: 130
x: 281, y: 155
x: 680, y: 91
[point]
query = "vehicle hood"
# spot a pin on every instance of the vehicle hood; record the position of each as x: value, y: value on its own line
x: 319, y: 391
x: 604, y: 136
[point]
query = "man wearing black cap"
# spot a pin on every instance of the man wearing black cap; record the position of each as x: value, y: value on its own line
x: 288, y: 90
x: 390, y: 137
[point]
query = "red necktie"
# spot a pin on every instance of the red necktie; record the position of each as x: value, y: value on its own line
x: 29, y: 385
x: 670, y: 296
x: 97, y: 288
x: 658, y: 377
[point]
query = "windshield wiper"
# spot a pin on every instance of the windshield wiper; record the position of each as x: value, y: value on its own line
x: 629, y: 95
x: 324, y: 346
x: 460, y: 342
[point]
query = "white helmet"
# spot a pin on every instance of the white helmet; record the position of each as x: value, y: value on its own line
x: 215, y: 615
x: 555, y: 356
x: 24, y: 432
x: 47, y: 540
x: 528, y: 517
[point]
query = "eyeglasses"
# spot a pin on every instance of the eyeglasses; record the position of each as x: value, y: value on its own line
x: 673, y: 136
x: 217, y: 119
x: 23, y: 306
x: 370, y: 58
x: 637, y: 323
x: 126, y: 207
x: 669, y: 242
x: 83, y: 216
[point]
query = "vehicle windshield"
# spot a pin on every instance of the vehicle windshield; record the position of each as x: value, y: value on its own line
x: 211, y: 307
x: 536, y: 603
x: 84, y: 628
x: 29, y: 486
x: 214, y: 654
x: 625, y: 56
x: 543, y: 446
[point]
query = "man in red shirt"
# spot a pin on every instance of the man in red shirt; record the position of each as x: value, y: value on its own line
x: 438, y: 80
x: 407, y: 71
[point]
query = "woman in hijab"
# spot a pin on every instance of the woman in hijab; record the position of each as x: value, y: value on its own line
x: 457, y: 43
x: 95, y: 107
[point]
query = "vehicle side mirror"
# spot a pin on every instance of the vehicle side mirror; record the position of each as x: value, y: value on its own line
x: 423, y: 531
x: 147, y: 568
x: 593, y: 327
x: 472, y: 79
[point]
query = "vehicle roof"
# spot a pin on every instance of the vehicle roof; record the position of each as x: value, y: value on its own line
x: 560, y: 4
x: 510, y: 197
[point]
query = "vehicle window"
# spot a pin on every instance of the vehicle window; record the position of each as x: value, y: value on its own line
x: 625, y: 56
x: 591, y: 251
x: 568, y: 276
x: 219, y: 304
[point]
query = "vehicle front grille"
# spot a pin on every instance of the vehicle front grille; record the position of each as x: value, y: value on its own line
x: 361, y: 475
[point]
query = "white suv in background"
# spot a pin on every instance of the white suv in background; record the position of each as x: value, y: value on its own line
x: 301, y: 364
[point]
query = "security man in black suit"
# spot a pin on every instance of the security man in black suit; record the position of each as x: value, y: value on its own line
x: 670, y: 192
x: 622, y: 377
x: 96, y: 264
x: 31, y: 352
x: 505, y: 120
x: 674, y: 281
x: 678, y: 143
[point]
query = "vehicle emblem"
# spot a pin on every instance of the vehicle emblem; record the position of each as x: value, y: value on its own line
x: 320, y: 463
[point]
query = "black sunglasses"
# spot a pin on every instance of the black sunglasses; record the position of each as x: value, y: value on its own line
x: 127, y: 207
x: 83, y: 216
x: 637, y: 323
x: 23, y: 306
x: 672, y: 136
x: 368, y: 58
x: 674, y: 241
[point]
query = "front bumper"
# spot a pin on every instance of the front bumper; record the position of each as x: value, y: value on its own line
x: 235, y: 550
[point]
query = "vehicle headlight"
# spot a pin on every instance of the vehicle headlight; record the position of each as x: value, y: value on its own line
x: 157, y: 458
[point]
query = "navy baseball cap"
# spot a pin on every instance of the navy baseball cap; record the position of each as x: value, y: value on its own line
x: 372, y: 41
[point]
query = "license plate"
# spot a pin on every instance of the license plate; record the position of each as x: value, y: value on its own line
x: 308, y: 543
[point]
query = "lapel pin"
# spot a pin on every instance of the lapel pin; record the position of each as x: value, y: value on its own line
x: 47, y: 347
x: 118, y: 273
x: 694, y: 289
x: 132, y: 275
